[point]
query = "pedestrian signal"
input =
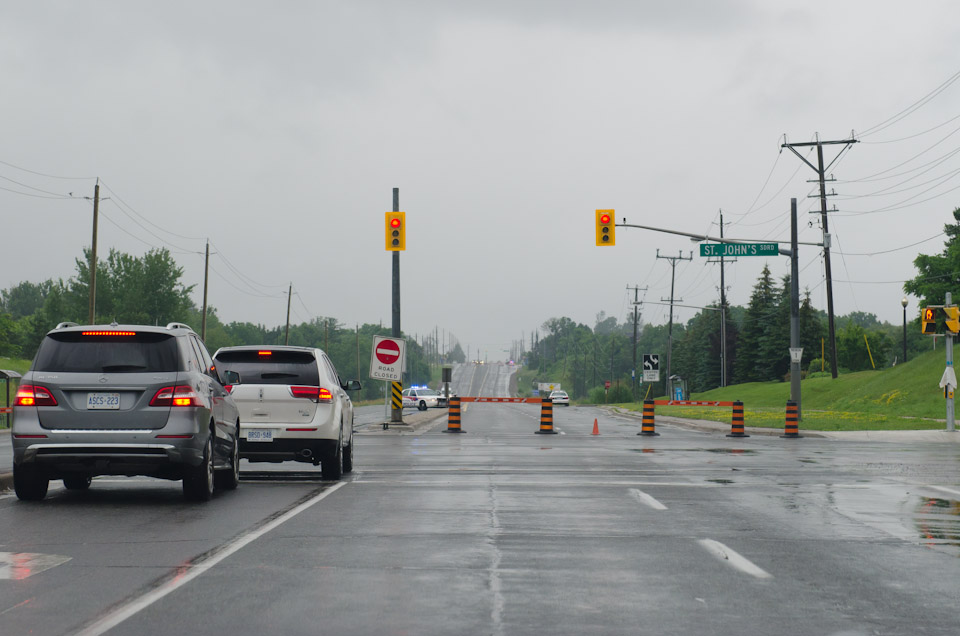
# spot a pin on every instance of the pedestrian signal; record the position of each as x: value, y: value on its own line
x: 396, y: 231
x: 952, y: 320
x: 928, y: 320
x: 606, y: 228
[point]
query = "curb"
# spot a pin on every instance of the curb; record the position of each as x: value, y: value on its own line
x: 707, y: 426
x: 415, y: 423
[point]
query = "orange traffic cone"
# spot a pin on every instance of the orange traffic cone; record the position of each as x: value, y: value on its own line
x: 596, y: 429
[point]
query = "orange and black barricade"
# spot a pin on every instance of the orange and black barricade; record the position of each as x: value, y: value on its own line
x: 791, y: 428
x: 648, y: 426
x: 736, y: 421
x: 453, y: 416
x: 546, y: 417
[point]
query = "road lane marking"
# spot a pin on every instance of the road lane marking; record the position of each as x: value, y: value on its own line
x: 526, y: 484
x: 186, y: 573
x: 949, y: 491
x: 647, y: 499
x: 17, y: 566
x: 735, y: 559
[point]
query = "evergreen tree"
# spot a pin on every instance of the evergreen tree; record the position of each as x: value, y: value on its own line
x: 756, y: 357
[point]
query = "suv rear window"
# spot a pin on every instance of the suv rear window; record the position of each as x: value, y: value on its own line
x: 73, y: 352
x: 280, y: 367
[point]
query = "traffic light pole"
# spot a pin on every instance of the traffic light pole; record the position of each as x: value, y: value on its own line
x: 949, y: 388
x: 396, y: 414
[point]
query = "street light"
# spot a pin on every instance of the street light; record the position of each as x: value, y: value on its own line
x: 904, y: 303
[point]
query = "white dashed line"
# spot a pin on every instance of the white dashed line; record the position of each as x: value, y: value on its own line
x: 738, y: 561
x: 949, y: 491
x: 644, y: 498
x: 187, y: 573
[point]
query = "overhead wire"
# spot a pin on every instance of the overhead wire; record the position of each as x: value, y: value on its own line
x: 909, y: 110
x: 43, y: 174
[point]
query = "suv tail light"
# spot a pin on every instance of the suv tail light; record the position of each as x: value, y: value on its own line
x: 317, y: 393
x: 228, y: 388
x: 32, y: 395
x: 180, y: 395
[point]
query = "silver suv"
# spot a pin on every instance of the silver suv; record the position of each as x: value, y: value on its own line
x: 293, y: 406
x: 124, y: 400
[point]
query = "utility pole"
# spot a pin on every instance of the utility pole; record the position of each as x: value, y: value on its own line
x: 93, y: 255
x: 795, y: 360
x: 636, y: 320
x: 286, y: 338
x: 821, y: 170
x: 723, y: 313
x: 673, y: 266
x: 206, y: 280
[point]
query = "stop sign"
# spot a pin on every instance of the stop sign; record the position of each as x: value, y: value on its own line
x: 388, y: 352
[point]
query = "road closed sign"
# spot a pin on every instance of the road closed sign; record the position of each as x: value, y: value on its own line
x: 386, y: 358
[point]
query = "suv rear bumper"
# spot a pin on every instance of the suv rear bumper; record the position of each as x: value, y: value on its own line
x: 164, y: 460
x: 287, y: 449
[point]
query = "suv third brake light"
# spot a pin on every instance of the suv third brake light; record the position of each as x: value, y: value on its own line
x: 317, y: 393
x: 180, y: 395
x: 30, y: 395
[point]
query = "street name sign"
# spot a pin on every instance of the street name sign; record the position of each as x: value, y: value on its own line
x: 386, y: 358
x: 739, y: 249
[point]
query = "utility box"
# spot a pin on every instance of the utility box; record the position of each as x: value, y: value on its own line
x: 677, y: 388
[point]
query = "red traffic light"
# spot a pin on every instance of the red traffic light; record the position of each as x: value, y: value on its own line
x: 928, y: 313
x: 394, y: 222
x: 604, y: 218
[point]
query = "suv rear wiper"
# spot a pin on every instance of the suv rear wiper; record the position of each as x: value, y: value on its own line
x: 117, y: 368
x: 278, y: 374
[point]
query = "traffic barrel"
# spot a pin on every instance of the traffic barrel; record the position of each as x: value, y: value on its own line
x: 791, y: 429
x: 546, y: 417
x: 736, y: 421
x: 453, y: 415
x: 648, y: 426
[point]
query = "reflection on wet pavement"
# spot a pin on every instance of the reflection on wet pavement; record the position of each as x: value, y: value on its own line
x: 938, y: 521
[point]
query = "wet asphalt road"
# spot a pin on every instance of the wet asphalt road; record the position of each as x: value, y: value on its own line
x: 503, y: 531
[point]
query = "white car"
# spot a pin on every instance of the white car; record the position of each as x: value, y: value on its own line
x: 420, y: 398
x: 560, y: 397
x: 293, y: 406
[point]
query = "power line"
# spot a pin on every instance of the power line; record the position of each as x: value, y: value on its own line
x: 43, y: 174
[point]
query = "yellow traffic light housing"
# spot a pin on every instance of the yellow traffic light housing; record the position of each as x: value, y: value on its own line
x: 606, y: 228
x: 952, y: 320
x: 928, y: 320
x: 395, y: 226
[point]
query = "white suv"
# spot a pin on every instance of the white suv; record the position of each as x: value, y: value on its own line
x: 293, y: 406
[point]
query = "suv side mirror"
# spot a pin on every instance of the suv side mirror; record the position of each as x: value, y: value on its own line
x: 231, y: 377
x: 352, y: 385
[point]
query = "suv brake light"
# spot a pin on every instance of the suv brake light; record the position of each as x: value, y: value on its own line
x: 317, y: 393
x: 228, y: 388
x: 180, y: 395
x: 32, y: 395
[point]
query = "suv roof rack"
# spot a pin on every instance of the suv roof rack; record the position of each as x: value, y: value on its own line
x: 64, y: 325
x: 178, y: 325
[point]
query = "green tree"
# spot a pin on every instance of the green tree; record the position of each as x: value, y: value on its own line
x: 756, y: 359
x: 938, y: 274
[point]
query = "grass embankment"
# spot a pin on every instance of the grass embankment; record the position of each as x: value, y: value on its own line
x: 905, y: 397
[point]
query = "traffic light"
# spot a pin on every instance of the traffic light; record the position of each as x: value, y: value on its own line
x: 606, y: 229
x: 396, y: 231
x: 952, y: 321
x: 928, y: 320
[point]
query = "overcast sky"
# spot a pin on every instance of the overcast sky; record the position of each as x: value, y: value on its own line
x: 279, y: 129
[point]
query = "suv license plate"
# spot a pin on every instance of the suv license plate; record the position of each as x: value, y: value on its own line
x: 260, y: 435
x: 103, y: 401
